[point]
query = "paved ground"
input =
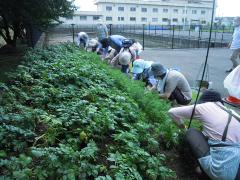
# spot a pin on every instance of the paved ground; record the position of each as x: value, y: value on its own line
x: 189, y: 62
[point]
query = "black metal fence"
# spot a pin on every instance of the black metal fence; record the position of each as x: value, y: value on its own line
x: 154, y: 36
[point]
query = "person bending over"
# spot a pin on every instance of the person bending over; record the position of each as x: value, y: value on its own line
x: 217, y: 147
x: 82, y: 38
x: 171, y: 85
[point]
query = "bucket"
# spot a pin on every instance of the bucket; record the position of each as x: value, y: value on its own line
x: 233, y: 100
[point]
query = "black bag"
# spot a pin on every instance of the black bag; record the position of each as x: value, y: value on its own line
x: 126, y: 43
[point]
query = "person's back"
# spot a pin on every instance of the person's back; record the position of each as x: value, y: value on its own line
x: 82, y: 37
x: 176, y: 79
x: 115, y: 41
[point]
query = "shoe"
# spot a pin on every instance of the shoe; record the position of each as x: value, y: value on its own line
x: 228, y: 71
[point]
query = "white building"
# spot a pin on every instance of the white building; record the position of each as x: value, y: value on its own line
x: 178, y: 12
x: 83, y: 17
x: 156, y: 12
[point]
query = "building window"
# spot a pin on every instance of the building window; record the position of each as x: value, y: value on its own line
x: 203, y: 12
x: 108, y: 18
x: 154, y: 19
x: 184, y: 11
x: 194, y: 11
x: 120, y: 8
x: 175, y: 20
x: 108, y: 8
x: 132, y: 9
x: 204, y: 22
x: 175, y: 11
x: 71, y: 18
x: 83, y: 18
x: 144, y: 9
x: 155, y: 10
x: 95, y: 18
x: 144, y: 19
x: 120, y: 18
x: 165, y: 10
x: 165, y: 20
x: 132, y: 18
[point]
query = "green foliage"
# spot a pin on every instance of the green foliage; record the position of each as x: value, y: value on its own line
x: 65, y: 115
x: 17, y: 17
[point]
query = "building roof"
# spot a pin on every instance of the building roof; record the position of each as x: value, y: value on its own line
x: 188, y: 3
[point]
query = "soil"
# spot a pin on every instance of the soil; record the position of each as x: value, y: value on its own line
x: 181, y: 161
x: 10, y: 58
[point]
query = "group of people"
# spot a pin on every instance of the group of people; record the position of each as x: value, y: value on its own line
x: 122, y: 52
x: 217, y: 147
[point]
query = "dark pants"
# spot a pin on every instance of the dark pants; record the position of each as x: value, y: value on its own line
x: 197, y: 142
x: 179, y: 97
x: 125, y: 69
x: 83, y: 41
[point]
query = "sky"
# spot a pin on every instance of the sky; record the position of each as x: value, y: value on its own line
x: 224, y: 7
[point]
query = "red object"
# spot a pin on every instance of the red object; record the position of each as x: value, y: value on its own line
x: 233, y: 100
x: 137, y: 57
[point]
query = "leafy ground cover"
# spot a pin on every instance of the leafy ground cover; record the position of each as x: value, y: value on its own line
x: 66, y: 115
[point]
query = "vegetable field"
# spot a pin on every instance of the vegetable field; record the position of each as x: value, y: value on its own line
x: 64, y: 114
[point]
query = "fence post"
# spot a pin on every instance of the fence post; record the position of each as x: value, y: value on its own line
x: 222, y: 37
x: 110, y: 29
x: 173, y: 36
x: 199, y: 36
x: 149, y: 29
x: 143, y: 36
x: 189, y: 33
x: 73, y: 32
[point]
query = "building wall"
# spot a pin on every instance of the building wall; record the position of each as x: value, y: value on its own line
x: 83, y: 17
x: 164, y: 12
x: 158, y: 12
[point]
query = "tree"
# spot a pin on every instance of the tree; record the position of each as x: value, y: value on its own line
x: 17, y: 15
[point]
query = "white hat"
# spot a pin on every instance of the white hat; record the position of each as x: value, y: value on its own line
x: 99, y: 21
x: 125, y: 58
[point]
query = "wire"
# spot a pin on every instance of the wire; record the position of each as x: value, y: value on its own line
x: 205, y: 64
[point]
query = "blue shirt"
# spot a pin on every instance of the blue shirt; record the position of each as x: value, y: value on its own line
x: 115, y: 41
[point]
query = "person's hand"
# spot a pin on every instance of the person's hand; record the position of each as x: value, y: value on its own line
x: 183, y: 126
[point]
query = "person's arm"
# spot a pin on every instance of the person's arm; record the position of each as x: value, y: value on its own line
x: 133, y: 54
x: 154, y: 87
x: 179, y: 113
x: 170, y: 86
x: 114, y: 61
x: 165, y: 95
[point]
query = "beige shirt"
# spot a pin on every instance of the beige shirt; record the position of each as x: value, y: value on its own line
x: 213, y: 119
x: 175, y: 80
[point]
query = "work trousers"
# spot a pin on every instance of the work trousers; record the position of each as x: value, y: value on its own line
x: 179, y: 97
x: 234, y: 56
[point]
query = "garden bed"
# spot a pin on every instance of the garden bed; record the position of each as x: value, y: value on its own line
x: 64, y: 115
